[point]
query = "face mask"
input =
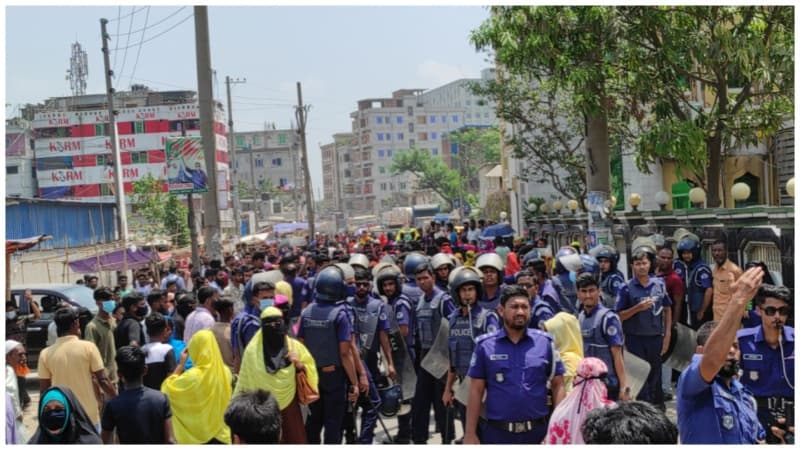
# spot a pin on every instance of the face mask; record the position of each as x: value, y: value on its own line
x: 109, y: 305
x: 141, y: 311
x: 54, y: 420
x: 11, y: 315
x: 266, y: 303
x: 730, y: 369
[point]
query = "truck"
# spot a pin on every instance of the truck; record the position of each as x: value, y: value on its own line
x: 398, y: 217
x: 422, y: 214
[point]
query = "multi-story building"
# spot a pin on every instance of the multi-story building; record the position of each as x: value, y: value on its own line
x: 20, y: 167
x: 478, y: 112
x: 332, y: 158
x: 72, y: 142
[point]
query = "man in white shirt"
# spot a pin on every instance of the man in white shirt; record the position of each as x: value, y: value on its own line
x: 202, y: 318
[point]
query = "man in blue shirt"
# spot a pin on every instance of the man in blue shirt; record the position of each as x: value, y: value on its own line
x: 645, y: 310
x: 713, y: 406
x: 768, y: 360
x: 512, y: 366
x: 696, y: 276
x: 245, y: 325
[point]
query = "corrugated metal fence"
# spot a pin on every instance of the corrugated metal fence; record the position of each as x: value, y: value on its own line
x: 72, y: 224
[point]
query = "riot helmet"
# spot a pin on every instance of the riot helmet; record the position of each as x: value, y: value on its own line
x: 411, y: 264
x: 329, y: 285
x: 359, y: 259
x: 492, y: 260
x: 567, y: 260
x: 463, y: 276
x: 590, y: 264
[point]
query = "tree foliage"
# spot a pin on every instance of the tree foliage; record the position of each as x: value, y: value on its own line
x: 431, y: 172
x: 160, y: 213
x: 476, y: 147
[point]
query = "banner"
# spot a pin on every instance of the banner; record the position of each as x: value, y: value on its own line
x: 186, y: 165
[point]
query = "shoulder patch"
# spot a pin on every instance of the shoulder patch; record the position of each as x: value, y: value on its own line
x: 540, y: 333
x: 612, y: 330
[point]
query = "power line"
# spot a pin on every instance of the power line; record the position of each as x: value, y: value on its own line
x: 139, y: 51
x: 140, y: 30
x: 163, y: 32
x: 262, y: 98
x: 116, y: 43
x: 125, y: 55
x: 127, y: 15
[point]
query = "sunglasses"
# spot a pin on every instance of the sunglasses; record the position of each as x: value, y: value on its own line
x: 362, y: 283
x: 771, y: 310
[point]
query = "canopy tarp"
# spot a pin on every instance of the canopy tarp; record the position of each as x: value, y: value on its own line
x: 113, y: 261
x: 15, y: 245
x: 289, y: 227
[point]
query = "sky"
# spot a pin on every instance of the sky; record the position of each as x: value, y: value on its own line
x: 340, y: 54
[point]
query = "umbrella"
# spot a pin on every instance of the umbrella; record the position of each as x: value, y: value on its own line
x: 497, y: 230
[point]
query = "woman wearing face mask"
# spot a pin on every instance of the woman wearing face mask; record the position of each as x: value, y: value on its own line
x: 270, y: 362
x: 200, y: 395
x: 589, y: 393
x: 62, y: 420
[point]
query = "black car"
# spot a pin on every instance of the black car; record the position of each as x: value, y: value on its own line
x: 48, y: 297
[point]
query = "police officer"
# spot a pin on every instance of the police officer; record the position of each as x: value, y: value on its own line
x: 434, y: 306
x: 467, y: 323
x: 568, y: 262
x: 713, y: 406
x: 401, y: 315
x: 493, y: 268
x: 513, y: 366
x: 541, y: 310
x: 370, y: 326
x: 325, y: 329
x: 768, y: 361
x: 646, y: 313
x: 410, y: 264
x: 602, y: 334
x: 696, y: 276
x: 442, y: 264
x: 300, y: 289
x: 611, y: 278
x: 545, y: 291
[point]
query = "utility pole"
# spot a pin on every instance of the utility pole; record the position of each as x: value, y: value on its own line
x: 301, y: 112
x: 237, y: 220
x: 211, y: 232
x: 192, y: 218
x: 293, y: 153
x: 122, y: 214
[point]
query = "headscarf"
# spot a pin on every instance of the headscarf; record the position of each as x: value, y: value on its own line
x: 512, y: 264
x: 590, y: 393
x: 274, y: 346
x: 470, y: 259
x: 78, y: 429
x: 284, y: 288
x: 200, y: 395
x: 252, y: 373
x: 20, y: 370
x: 11, y: 345
x: 566, y: 332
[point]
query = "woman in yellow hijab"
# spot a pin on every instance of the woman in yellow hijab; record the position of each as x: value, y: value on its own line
x: 270, y: 362
x: 566, y: 331
x: 200, y: 395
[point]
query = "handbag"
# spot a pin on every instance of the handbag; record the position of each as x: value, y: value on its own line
x: 306, y: 394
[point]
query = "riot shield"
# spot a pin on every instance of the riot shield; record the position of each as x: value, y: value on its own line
x: 682, y: 347
x: 636, y: 371
x: 437, y: 360
x: 407, y: 376
x: 461, y: 390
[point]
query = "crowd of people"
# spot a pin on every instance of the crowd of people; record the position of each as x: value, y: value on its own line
x: 521, y: 342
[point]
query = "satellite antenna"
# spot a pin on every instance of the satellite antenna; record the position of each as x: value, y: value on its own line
x: 78, y: 70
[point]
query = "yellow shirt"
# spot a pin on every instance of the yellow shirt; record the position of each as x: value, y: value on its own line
x: 723, y: 276
x: 71, y: 362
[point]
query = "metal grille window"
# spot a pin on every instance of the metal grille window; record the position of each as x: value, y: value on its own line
x: 769, y: 254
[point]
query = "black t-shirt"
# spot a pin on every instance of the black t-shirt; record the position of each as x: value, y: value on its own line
x: 129, y: 329
x: 138, y: 415
x: 160, y: 362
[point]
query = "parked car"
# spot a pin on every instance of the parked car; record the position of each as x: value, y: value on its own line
x: 48, y: 297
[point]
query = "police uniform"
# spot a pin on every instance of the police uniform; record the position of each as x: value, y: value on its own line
x: 431, y: 310
x: 644, y: 331
x: 610, y: 284
x: 713, y: 413
x: 516, y: 378
x: 567, y: 293
x: 696, y: 276
x: 491, y: 303
x: 323, y: 326
x: 548, y: 293
x: 300, y: 294
x: 541, y: 311
x: 464, y: 331
x: 369, y: 318
x: 763, y: 375
x: 401, y: 309
x: 601, y: 329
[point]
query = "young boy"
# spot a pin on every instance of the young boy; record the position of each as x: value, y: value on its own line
x: 140, y: 415
x: 160, y: 359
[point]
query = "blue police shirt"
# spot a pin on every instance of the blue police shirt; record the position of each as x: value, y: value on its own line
x: 402, y: 315
x: 649, y: 322
x: 541, y: 311
x: 516, y: 374
x: 712, y: 413
x: 761, y: 364
x: 611, y: 328
x: 342, y: 323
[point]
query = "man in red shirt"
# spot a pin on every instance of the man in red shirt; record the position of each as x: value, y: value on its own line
x: 675, y: 290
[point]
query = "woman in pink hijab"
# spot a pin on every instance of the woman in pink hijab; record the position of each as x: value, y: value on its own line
x: 588, y: 392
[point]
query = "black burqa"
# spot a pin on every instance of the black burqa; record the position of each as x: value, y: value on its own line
x: 79, y: 430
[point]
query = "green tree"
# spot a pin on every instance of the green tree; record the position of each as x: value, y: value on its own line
x: 160, y: 213
x: 476, y: 146
x: 431, y: 172
x: 742, y: 56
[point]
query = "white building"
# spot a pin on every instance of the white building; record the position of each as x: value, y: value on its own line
x: 20, y: 164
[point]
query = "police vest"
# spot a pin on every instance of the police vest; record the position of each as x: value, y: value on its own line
x: 365, y: 323
x: 462, y: 337
x: 319, y: 332
x: 594, y: 341
x: 491, y: 303
x: 540, y: 312
x: 413, y: 293
x: 394, y: 325
x: 607, y: 287
x: 694, y: 287
x: 568, y: 294
x: 549, y: 294
x: 429, y: 318
x: 648, y: 322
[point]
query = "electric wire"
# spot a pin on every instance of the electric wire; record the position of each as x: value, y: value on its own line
x: 139, y: 50
x: 163, y: 32
x: 128, y: 15
x: 140, y: 30
x: 125, y: 55
x: 116, y: 43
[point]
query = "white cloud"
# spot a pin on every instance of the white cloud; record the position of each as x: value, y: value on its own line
x: 439, y: 73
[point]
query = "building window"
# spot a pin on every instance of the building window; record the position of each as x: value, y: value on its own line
x: 381, y: 170
x: 367, y: 172
x: 388, y: 120
x: 400, y: 136
x: 12, y: 170
x: 433, y: 119
x: 100, y: 129
x: 380, y: 136
x: 444, y: 119
x: 412, y: 142
x: 138, y: 157
x: 138, y: 127
x: 346, y: 157
x: 383, y: 186
x: 388, y: 136
x: 399, y: 120
x: 257, y: 140
x: 277, y: 162
x: 455, y: 119
x: 469, y: 115
x: 433, y: 135
x: 380, y: 153
x: 389, y: 153
x: 410, y: 110
x: 680, y: 195
x: 486, y: 115
x: 410, y: 127
x: 105, y: 189
x: 434, y: 151
x: 282, y: 139
x: 402, y: 186
x: 469, y: 102
x: 240, y: 142
x: 283, y: 182
x: 379, y: 120
x: 259, y: 162
x: 347, y: 173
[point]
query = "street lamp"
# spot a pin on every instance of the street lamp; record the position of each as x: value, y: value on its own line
x: 790, y: 187
x: 662, y: 198
x: 572, y: 205
x: 557, y: 206
x: 635, y: 200
x: 697, y: 196
x: 613, y: 201
x: 543, y: 208
x: 740, y: 192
